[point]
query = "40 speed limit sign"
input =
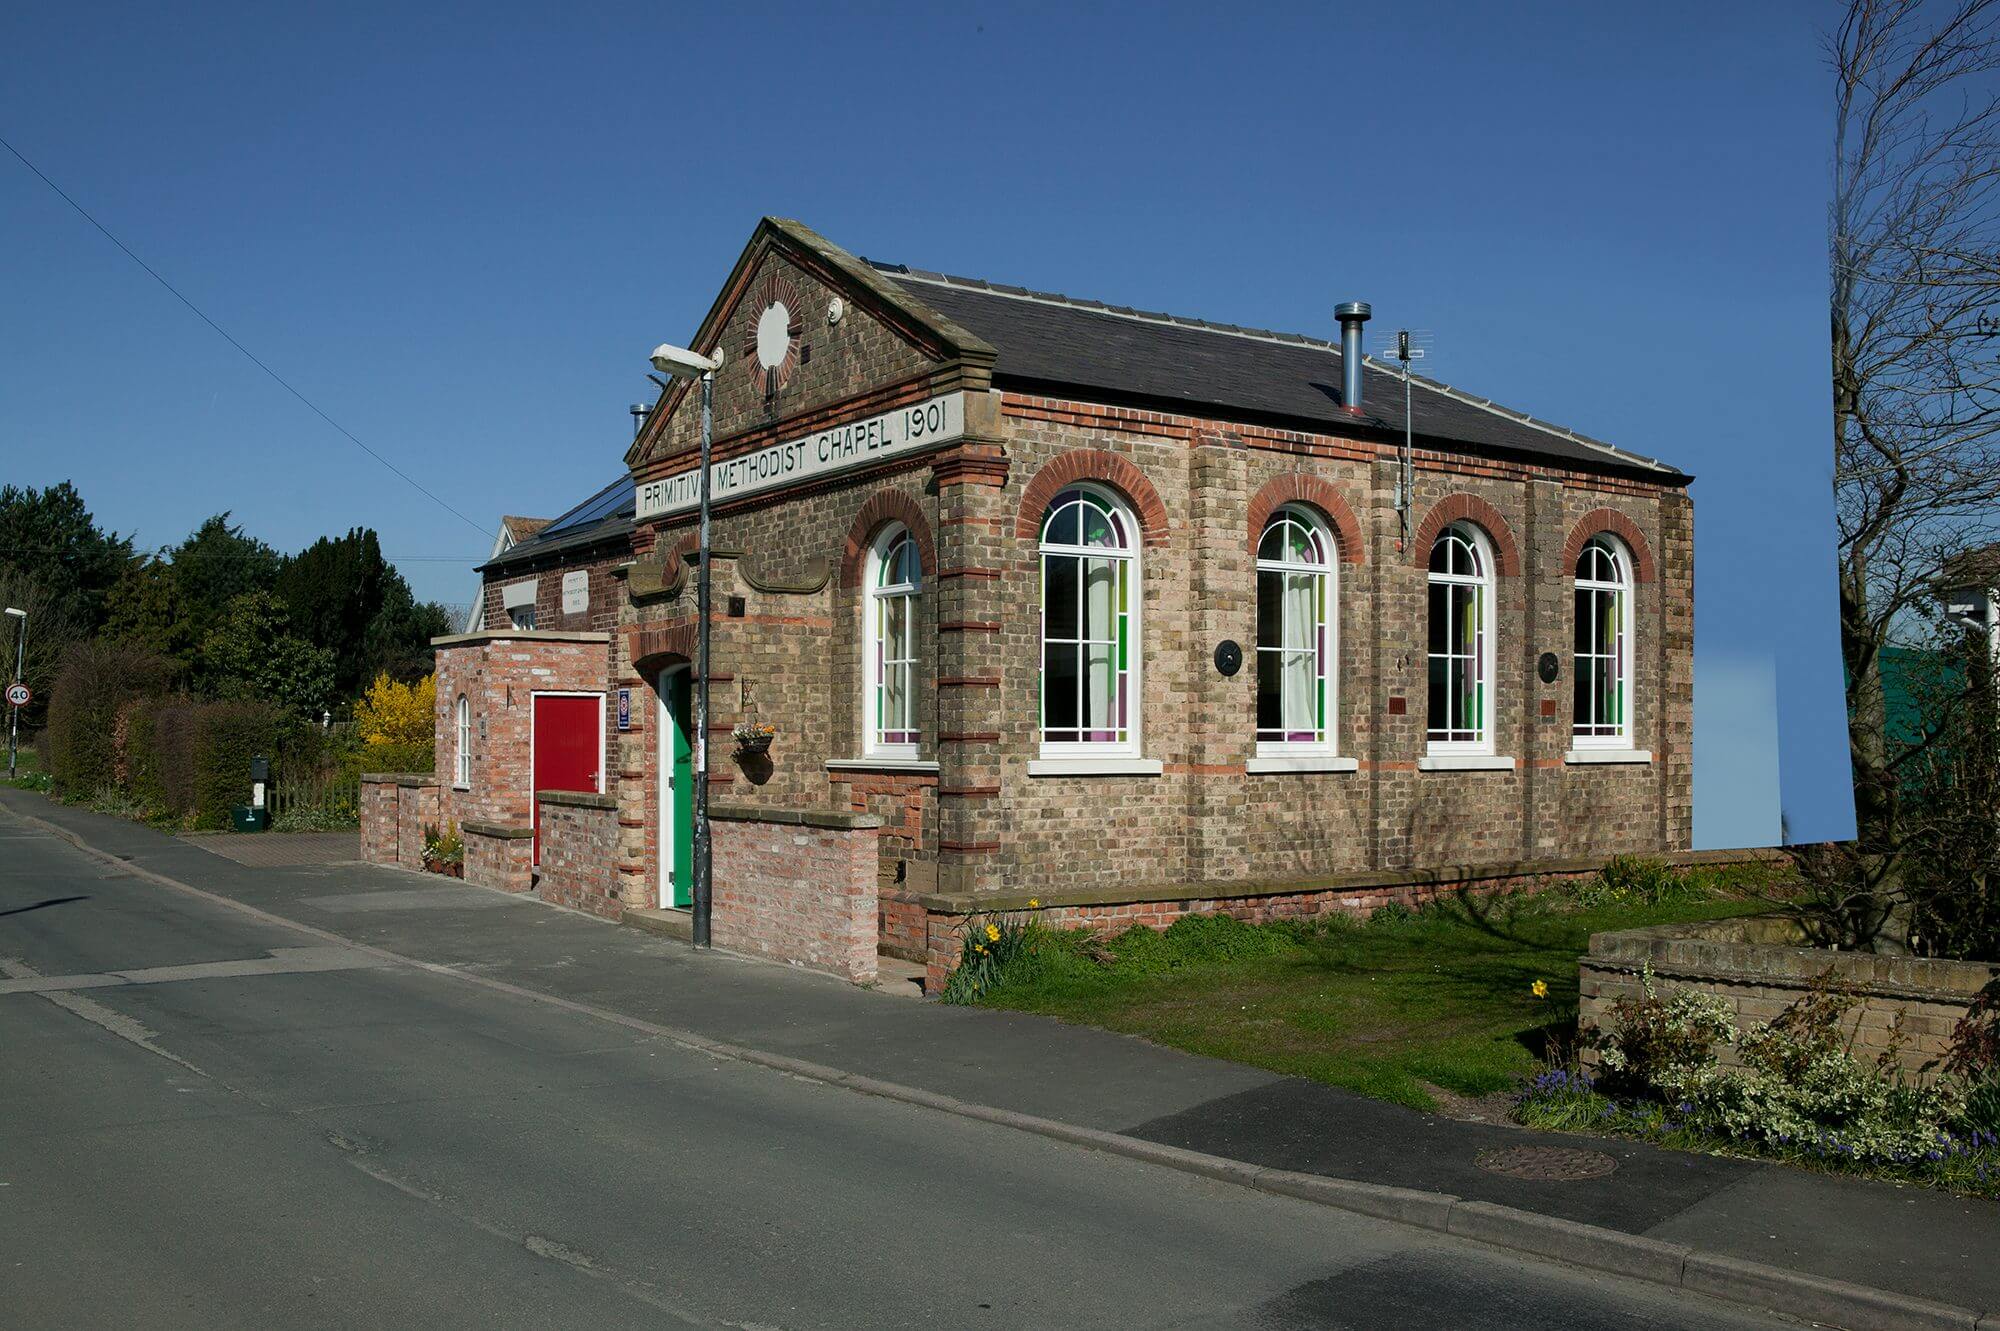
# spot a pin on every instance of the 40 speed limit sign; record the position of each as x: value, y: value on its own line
x: 18, y: 695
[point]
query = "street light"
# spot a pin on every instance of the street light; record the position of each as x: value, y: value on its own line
x: 14, y: 713
x: 680, y: 363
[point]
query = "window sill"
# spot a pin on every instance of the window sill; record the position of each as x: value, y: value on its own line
x: 880, y: 765
x: 1464, y: 762
x: 1095, y: 767
x: 1608, y: 756
x: 1317, y: 762
x: 462, y: 789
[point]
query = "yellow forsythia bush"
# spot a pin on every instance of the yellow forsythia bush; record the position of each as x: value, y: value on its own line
x: 392, y: 713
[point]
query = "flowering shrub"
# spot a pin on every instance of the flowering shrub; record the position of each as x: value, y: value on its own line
x: 1658, y: 1041
x: 1975, y: 1057
x: 392, y: 713
x: 1801, y: 1092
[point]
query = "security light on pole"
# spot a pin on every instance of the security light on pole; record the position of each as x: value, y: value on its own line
x: 680, y: 363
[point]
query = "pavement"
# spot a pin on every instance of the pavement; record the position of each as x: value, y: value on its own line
x: 1921, y: 1248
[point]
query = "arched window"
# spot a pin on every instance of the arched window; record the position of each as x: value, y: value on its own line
x: 1089, y: 625
x: 1461, y: 641
x: 1601, y: 716
x: 1295, y: 626
x: 462, y: 716
x: 895, y: 581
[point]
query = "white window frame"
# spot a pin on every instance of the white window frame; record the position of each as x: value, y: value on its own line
x: 1077, y: 756
x: 1327, y: 740
x: 1623, y: 588
x: 462, y: 729
x: 872, y: 596
x: 1482, y: 549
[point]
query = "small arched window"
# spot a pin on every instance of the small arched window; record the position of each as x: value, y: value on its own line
x: 1601, y: 714
x: 462, y: 718
x: 1295, y: 624
x: 895, y: 581
x: 1460, y: 716
x: 1089, y: 625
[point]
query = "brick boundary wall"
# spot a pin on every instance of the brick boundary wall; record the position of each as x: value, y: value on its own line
x: 579, y: 866
x: 395, y: 808
x: 499, y: 855
x: 798, y: 886
x: 1758, y: 967
x: 1354, y: 895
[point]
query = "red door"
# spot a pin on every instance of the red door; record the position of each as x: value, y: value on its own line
x: 568, y: 747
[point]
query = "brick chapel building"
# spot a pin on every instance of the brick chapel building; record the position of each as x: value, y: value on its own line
x: 1059, y: 606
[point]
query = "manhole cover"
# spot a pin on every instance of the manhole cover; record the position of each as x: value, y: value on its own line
x: 1548, y: 1163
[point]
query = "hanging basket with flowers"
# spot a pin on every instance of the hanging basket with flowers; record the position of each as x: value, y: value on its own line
x: 753, y: 738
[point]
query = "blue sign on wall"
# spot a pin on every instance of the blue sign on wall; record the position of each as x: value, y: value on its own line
x: 624, y: 709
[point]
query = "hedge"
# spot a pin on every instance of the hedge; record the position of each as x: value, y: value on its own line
x: 227, y: 735
x: 94, y: 682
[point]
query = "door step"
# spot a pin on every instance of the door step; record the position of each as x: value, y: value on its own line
x: 893, y: 975
x: 668, y: 923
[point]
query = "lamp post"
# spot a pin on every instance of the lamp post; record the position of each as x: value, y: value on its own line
x: 683, y: 364
x: 14, y: 713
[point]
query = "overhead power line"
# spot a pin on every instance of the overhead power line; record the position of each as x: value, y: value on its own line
x: 277, y: 378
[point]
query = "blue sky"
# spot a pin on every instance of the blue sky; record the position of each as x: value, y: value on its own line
x: 459, y: 230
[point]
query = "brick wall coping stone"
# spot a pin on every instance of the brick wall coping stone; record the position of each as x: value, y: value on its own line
x: 499, y: 831
x: 580, y: 799
x: 516, y: 635
x: 974, y: 903
x: 1765, y: 950
x: 751, y: 813
x: 419, y: 779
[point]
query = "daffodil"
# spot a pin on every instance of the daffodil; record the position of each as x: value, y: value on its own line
x: 1034, y: 902
x: 992, y: 933
x: 1540, y: 989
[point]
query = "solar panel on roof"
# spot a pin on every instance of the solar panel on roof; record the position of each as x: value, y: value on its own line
x: 604, y: 504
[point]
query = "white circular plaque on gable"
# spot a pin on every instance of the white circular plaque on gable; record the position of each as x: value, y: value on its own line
x: 774, y: 335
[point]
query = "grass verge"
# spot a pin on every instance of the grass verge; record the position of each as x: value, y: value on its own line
x: 1440, y: 997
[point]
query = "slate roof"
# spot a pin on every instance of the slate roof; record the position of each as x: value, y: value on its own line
x: 1057, y: 343
x: 603, y: 516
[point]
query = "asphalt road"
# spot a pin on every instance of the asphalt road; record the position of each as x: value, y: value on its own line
x: 212, y: 1120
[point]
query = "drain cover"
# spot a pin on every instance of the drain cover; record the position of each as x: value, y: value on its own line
x: 1560, y: 1164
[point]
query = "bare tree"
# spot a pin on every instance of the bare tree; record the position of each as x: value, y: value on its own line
x: 1914, y: 239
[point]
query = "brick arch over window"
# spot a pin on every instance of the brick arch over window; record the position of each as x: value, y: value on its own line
x: 1467, y: 508
x: 1626, y: 530
x: 1310, y: 490
x: 1091, y: 464
x: 885, y: 506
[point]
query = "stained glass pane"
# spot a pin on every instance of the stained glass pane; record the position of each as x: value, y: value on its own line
x: 1299, y: 614
x: 1062, y: 525
x: 1060, y: 574
x: 1098, y: 598
x: 1099, y: 694
x: 1059, y: 686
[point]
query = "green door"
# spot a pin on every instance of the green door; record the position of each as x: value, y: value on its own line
x: 680, y: 730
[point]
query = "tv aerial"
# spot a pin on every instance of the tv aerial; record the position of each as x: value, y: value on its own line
x: 1406, y: 345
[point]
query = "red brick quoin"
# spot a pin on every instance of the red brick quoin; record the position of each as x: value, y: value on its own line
x: 1626, y: 530
x: 1315, y: 493
x: 885, y: 506
x: 1092, y: 464
x: 1473, y: 509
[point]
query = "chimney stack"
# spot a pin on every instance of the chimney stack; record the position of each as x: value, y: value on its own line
x: 1351, y: 315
